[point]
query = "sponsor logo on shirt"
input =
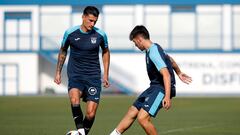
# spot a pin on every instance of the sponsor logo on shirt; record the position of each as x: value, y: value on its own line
x: 76, y: 39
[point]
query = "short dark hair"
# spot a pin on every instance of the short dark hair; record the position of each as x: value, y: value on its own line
x: 91, y: 10
x: 139, y: 30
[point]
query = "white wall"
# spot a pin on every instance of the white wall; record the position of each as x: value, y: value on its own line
x: 28, y: 71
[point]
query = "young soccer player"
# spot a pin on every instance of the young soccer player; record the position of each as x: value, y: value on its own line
x: 160, y: 68
x: 84, y: 73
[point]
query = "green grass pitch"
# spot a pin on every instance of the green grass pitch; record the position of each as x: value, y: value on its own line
x: 52, y: 116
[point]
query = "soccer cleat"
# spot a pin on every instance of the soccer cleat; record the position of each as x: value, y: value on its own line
x: 81, y: 131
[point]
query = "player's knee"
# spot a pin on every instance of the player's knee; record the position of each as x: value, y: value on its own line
x: 74, y: 100
x: 141, y: 120
x: 90, y: 114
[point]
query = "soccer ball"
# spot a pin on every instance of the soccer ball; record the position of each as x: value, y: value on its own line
x: 72, y: 132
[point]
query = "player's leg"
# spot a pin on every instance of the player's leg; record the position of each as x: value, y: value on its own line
x: 92, y: 96
x: 91, y: 109
x: 144, y: 120
x: 131, y: 115
x: 126, y: 122
x: 74, y: 96
x: 150, y: 108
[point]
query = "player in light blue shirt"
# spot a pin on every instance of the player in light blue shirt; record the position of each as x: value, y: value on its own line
x: 160, y: 68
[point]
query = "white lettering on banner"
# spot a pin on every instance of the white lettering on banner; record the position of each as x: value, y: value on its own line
x: 211, y: 73
x: 196, y: 65
x: 221, y: 79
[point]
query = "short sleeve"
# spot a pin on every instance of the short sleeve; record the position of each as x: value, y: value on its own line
x: 65, y: 41
x: 105, y: 39
x: 156, y: 58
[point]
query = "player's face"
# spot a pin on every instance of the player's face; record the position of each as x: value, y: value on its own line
x: 88, y: 22
x: 138, y: 43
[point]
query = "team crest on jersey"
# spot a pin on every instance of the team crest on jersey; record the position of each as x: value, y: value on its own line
x: 93, y: 40
x: 92, y: 90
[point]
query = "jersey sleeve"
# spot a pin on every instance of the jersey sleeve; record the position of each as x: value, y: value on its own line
x: 156, y: 58
x: 65, y: 41
x: 104, y: 44
x: 105, y: 41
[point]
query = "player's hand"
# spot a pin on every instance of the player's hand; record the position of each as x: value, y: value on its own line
x: 166, y: 103
x: 105, y: 81
x: 57, y: 79
x: 185, y: 78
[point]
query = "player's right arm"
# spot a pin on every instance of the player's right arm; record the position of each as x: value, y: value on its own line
x: 162, y: 68
x: 61, y: 58
x: 167, y: 87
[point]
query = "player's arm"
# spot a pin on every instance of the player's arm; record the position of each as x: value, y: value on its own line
x: 106, y: 63
x: 167, y: 86
x: 182, y: 76
x: 162, y: 68
x: 61, y: 58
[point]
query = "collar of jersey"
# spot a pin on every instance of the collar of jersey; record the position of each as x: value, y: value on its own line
x: 150, y: 47
x: 83, y: 31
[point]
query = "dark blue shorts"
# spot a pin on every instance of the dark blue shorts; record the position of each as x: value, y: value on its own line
x: 91, y: 88
x: 150, y: 100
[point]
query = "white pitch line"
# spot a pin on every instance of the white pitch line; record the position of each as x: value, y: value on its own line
x: 188, y: 128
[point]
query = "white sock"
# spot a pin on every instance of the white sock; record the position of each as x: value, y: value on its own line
x: 82, y: 131
x: 115, y: 132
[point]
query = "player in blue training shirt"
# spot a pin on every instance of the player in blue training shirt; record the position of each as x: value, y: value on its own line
x: 84, y: 73
x: 160, y: 68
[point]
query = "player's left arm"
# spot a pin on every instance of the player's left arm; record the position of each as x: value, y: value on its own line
x: 182, y: 76
x: 106, y: 63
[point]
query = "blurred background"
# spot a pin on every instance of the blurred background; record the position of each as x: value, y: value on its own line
x: 203, y: 36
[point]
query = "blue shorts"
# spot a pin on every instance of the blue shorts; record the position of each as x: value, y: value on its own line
x: 91, y: 88
x: 150, y: 100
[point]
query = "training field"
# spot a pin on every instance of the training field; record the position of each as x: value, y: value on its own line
x: 51, y: 115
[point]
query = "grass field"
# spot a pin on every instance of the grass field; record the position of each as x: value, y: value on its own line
x: 52, y: 116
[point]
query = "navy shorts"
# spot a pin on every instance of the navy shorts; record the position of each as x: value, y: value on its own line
x: 91, y: 88
x: 150, y: 100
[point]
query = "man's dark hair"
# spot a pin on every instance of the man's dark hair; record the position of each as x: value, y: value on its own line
x: 91, y: 10
x: 139, y: 30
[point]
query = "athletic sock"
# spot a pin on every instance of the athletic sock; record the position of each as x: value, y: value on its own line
x: 77, y: 115
x: 115, y: 132
x: 87, y: 124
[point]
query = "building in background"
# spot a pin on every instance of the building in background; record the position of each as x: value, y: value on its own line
x: 203, y: 36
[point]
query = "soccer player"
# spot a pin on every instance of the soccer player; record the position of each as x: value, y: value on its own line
x: 160, y: 68
x: 84, y: 73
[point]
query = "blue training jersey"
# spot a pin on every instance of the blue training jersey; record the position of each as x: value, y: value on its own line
x: 157, y: 59
x: 84, y: 52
